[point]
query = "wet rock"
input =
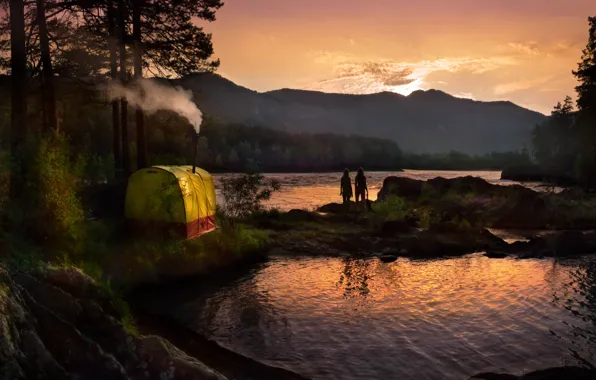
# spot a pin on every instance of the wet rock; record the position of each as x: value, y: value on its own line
x: 559, y: 373
x: 450, y: 241
x: 387, y: 258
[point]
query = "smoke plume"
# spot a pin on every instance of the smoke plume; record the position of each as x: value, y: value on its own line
x: 151, y: 97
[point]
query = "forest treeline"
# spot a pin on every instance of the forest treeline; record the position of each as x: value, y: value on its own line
x: 85, y: 118
x: 565, y: 144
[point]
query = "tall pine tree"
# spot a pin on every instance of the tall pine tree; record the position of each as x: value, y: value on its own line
x: 586, y: 104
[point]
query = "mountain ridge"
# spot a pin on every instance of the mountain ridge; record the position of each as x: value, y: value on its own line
x: 424, y: 121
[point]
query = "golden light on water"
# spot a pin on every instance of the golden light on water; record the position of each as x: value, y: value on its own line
x: 470, y: 284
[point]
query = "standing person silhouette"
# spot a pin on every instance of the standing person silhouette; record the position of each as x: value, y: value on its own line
x: 360, y: 186
x: 345, y: 189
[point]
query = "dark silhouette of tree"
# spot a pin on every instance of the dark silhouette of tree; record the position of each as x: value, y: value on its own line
x: 18, y: 70
x: 138, y: 73
x: 586, y: 104
x: 47, y: 80
x: 555, y: 141
x: 173, y: 43
x: 113, y: 51
x: 123, y: 38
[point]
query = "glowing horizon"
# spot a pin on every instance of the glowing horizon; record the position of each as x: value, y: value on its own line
x: 522, y: 51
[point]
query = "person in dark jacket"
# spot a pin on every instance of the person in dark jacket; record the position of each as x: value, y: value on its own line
x: 345, y: 189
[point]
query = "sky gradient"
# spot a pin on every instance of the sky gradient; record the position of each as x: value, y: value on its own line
x: 518, y: 50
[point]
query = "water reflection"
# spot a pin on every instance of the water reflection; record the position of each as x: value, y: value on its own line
x: 354, y: 278
x: 579, y: 298
x: 331, y: 318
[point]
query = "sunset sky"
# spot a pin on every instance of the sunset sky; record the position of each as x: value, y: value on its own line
x: 518, y: 50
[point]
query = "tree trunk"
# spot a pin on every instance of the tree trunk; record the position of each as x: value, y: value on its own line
x: 113, y: 47
x: 18, y: 66
x: 122, y: 16
x: 138, y: 66
x: 50, y: 121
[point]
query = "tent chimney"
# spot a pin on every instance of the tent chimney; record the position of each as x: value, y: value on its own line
x: 195, y: 139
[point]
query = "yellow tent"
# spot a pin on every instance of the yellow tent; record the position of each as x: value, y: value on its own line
x: 172, y: 198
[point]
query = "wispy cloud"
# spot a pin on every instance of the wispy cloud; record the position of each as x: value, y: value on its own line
x: 511, y: 87
x: 362, y: 77
x: 529, y: 48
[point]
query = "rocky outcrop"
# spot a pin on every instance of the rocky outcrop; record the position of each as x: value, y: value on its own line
x: 535, y: 173
x: 503, y: 207
x: 393, y: 239
x: 449, y: 240
x: 555, y: 244
x: 400, y: 186
x: 60, y: 325
x: 338, y: 208
x: 560, y: 373
x: 436, y: 187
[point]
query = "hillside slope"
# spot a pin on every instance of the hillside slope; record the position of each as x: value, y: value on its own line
x: 424, y: 121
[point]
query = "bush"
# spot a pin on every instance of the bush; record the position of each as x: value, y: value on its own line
x: 244, y: 195
x: 49, y: 210
x: 392, y: 208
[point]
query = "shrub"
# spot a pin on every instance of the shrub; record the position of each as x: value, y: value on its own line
x: 392, y: 208
x: 49, y: 210
x: 244, y: 195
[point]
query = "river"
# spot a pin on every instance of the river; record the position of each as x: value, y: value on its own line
x: 311, y: 190
x: 341, y: 318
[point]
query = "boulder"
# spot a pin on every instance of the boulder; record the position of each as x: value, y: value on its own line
x: 339, y: 208
x: 47, y: 331
x: 400, y: 186
x: 450, y: 240
x: 462, y: 185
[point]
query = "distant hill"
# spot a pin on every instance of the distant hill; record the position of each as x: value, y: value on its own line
x: 424, y: 121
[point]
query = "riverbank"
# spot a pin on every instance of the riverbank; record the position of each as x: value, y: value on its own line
x: 413, y: 219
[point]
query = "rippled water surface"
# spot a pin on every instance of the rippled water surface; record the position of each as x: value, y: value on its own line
x: 311, y: 190
x: 361, y: 319
x: 333, y: 318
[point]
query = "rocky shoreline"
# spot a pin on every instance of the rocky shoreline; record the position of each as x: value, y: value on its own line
x: 59, y: 323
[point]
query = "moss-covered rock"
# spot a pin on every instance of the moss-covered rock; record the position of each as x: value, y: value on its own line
x: 53, y: 325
